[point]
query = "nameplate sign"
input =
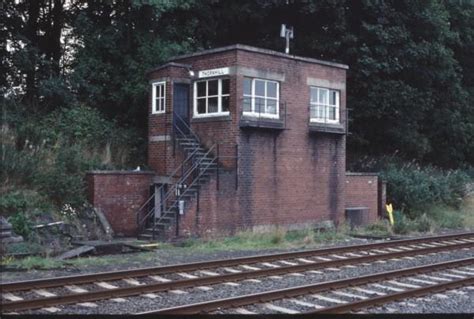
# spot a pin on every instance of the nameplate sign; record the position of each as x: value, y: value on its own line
x: 213, y: 72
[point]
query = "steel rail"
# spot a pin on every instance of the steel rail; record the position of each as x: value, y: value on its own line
x: 210, y: 280
x: 250, y: 299
x: 357, y: 305
x: 141, y: 272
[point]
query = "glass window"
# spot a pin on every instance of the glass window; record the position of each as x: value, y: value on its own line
x: 212, y: 87
x: 247, y: 86
x: 201, y: 106
x: 225, y: 104
x: 272, y: 89
x: 211, y: 97
x: 201, y: 89
x: 261, y: 97
x: 158, y: 97
x: 324, y: 105
x: 225, y: 86
x: 259, y: 88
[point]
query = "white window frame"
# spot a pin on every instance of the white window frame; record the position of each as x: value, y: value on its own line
x: 325, y: 105
x: 207, y: 96
x: 158, y: 102
x: 253, y: 96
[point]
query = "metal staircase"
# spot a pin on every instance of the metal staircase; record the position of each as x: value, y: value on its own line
x: 193, y: 172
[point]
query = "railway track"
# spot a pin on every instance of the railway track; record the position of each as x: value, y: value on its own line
x: 26, y: 295
x: 344, y: 295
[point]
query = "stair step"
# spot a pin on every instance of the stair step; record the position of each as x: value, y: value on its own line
x: 158, y: 227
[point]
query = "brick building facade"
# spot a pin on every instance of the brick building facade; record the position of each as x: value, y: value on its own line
x: 247, y: 138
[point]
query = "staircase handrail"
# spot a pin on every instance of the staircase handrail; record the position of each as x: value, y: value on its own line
x: 187, y: 126
x: 183, y: 178
x: 147, y: 215
x: 186, y: 175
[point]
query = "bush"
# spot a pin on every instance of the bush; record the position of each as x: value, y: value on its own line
x: 423, y: 224
x: 21, y: 201
x: 50, y: 154
x: 21, y: 224
x: 413, y: 189
x: 379, y: 228
x: 401, y: 223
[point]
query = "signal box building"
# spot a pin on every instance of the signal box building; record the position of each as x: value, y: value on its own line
x: 239, y: 138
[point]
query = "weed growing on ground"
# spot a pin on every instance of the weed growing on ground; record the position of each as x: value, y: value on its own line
x: 37, y: 263
x: 278, y: 238
x: 380, y: 228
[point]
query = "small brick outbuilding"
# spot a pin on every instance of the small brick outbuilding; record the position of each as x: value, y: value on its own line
x: 241, y: 138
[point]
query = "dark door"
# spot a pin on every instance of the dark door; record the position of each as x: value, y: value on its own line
x: 181, y: 107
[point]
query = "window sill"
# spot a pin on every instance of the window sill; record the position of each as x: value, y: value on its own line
x: 213, y: 118
x: 261, y: 122
x: 331, y: 128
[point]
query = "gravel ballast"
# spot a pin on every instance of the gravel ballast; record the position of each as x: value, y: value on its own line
x: 456, y: 301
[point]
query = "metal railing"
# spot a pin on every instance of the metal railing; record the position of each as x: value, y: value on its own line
x: 260, y: 114
x: 191, y: 169
x: 327, y: 115
x: 175, y: 193
x: 181, y: 167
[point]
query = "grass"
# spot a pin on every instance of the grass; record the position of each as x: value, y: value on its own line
x: 276, y: 239
x: 33, y: 262
x: 380, y: 228
x: 25, y: 247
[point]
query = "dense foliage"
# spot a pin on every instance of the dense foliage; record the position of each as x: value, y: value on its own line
x: 74, y: 92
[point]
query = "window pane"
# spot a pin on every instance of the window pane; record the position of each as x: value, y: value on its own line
x: 158, y: 91
x: 322, y: 112
x: 259, y: 105
x: 323, y: 96
x: 201, y: 88
x: 271, y: 107
x: 332, y: 97
x: 225, y: 103
x: 314, y: 95
x: 317, y: 112
x: 332, y: 113
x: 247, y: 104
x: 212, y: 87
x: 225, y: 86
x: 272, y: 89
x: 201, y: 106
x: 247, y: 86
x: 259, y: 88
x: 160, y: 103
x: 212, y: 105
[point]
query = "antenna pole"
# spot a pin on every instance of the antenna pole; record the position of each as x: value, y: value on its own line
x: 287, y: 33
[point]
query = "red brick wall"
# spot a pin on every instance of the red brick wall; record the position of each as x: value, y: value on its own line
x: 119, y: 194
x: 361, y: 191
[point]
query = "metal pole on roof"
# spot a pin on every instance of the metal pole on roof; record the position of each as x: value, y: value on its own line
x: 287, y: 33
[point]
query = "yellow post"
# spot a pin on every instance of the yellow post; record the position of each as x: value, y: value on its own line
x: 390, y: 213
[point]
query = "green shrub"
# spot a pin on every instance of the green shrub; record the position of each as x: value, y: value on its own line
x: 17, y: 166
x: 21, y: 224
x: 413, y: 189
x: 25, y: 248
x: 12, y: 203
x: 51, y: 153
x: 379, y: 228
x: 21, y: 201
x: 423, y: 224
x: 401, y: 223
x: 446, y: 217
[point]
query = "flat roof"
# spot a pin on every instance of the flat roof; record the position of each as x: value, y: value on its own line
x: 262, y: 51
